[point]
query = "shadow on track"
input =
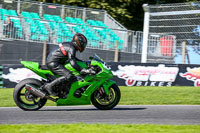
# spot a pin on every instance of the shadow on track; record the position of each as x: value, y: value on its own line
x: 129, y: 108
x: 92, y: 109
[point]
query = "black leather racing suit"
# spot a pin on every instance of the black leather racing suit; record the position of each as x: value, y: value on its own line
x: 65, y: 52
x: 56, y: 60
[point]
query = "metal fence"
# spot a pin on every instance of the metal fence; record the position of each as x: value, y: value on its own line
x: 162, y: 46
x: 131, y: 41
x: 180, y: 23
x: 63, y: 11
x: 60, y: 10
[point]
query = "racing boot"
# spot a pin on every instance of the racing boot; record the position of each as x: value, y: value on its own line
x: 49, y: 87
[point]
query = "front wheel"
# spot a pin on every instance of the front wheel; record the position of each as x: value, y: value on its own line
x: 101, y: 101
x: 26, y: 100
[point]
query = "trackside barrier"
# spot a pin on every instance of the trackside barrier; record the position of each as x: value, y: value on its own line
x: 1, y: 78
x: 126, y: 74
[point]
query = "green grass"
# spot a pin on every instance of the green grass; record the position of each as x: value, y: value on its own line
x: 130, y: 95
x: 135, y: 96
x: 98, y: 128
x: 160, y: 95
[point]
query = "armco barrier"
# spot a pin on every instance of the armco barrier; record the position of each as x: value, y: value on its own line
x: 1, y: 78
x: 126, y: 74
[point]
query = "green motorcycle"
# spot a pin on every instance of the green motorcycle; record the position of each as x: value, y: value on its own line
x: 92, y: 88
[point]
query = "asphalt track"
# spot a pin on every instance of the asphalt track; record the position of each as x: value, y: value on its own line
x: 132, y: 114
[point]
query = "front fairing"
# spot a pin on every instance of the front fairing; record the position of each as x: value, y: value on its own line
x: 105, y: 71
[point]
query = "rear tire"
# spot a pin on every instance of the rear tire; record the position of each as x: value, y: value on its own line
x: 24, y: 99
x: 108, y: 102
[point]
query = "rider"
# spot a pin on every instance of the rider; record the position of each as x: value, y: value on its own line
x: 66, y: 52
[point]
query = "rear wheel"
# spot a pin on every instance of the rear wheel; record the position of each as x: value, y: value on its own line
x: 26, y: 100
x: 101, y: 101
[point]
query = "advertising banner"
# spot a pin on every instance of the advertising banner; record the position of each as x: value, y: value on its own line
x: 137, y: 74
x: 126, y: 74
x: 146, y: 75
x: 13, y: 74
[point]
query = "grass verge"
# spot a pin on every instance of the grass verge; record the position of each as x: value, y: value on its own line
x: 129, y: 96
x: 135, y: 96
x: 160, y: 95
x: 98, y: 128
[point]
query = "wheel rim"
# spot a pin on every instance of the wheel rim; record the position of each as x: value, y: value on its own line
x: 27, y: 99
x: 106, y: 100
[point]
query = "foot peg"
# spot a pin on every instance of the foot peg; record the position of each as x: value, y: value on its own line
x: 48, y: 88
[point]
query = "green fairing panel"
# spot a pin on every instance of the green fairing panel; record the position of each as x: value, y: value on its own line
x: 85, y: 99
x: 71, y: 100
x: 34, y: 66
x: 104, y: 73
x: 80, y: 63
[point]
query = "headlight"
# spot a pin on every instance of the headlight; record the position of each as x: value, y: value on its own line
x: 106, y: 66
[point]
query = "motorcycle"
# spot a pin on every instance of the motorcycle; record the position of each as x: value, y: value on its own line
x: 89, y: 88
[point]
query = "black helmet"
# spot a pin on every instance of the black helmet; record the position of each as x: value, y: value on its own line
x: 79, y: 41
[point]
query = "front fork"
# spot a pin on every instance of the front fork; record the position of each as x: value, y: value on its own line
x: 106, y: 86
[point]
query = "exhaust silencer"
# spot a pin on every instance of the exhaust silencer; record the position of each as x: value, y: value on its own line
x: 38, y: 93
x: 35, y: 91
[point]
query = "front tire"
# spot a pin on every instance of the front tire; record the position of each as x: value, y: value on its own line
x: 24, y: 99
x: 106, y: 102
